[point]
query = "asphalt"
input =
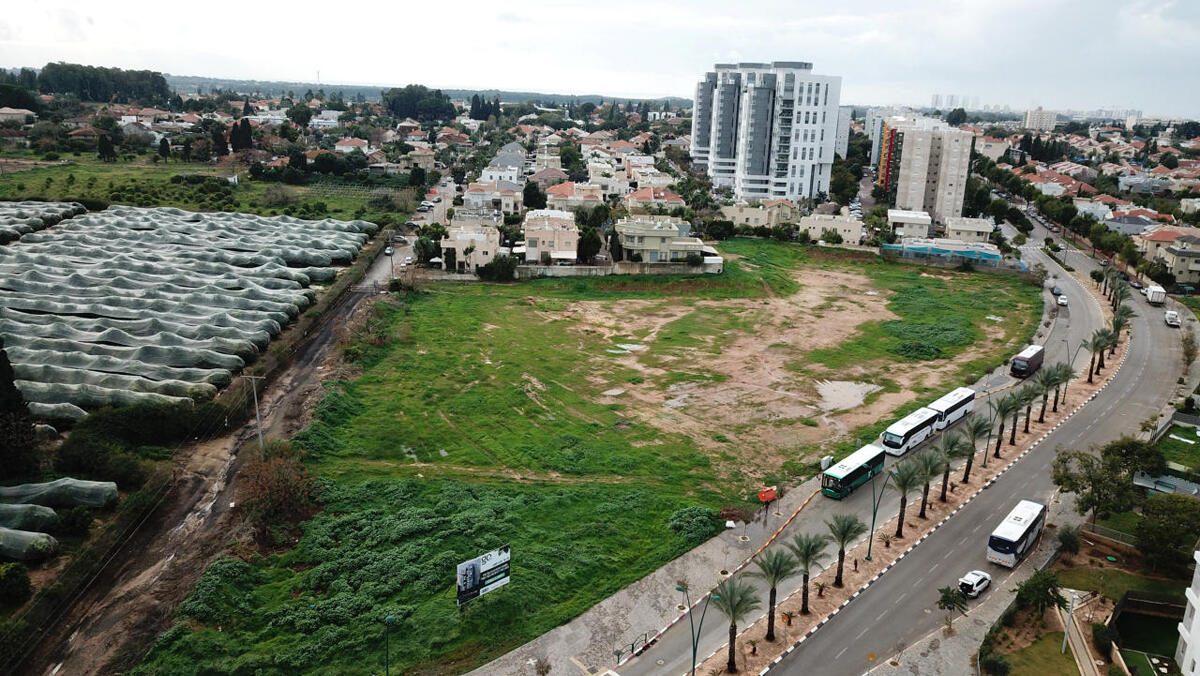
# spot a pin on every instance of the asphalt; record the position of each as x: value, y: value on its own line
x: 899, y: 609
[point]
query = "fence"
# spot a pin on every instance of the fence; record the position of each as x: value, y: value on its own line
x: 1149, y: 603
x: 1108, y: 533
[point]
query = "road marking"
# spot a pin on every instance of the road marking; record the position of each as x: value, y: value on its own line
x: 948, y: 553
x: 901, y: 597
x: 580, y: 665
x: 840, y: 653
x: 860, y: 634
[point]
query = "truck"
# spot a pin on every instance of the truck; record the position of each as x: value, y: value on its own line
x: 1171, y: 318
x: 1027, y: 361
x: 1156, y: 295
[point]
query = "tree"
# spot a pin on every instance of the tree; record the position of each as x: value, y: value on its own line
x: 246, y: 109
x: 810, y: 552
x: 1187, y: 341
x: 831, y: 236
x: 589, y: 245
x: 736, y: 600
x: 977, y: 427
x: 720, y: 230
x: 1068, y: 539
x: 300, y: 114
x: 1006, y: 406
x: 1099, y: 485
x: 15, y: 588
x: 425, y: 248
x: 105, y: 149
x: 164, y: 149
x: 416, y: 178
x: 1104, y: 339
x: 534, y: 197
x: 930, y: 465
x: 18, y: 453
x: 1028, y: 396
x: 843, y: 530
x: 1040, y: 592
x: 1170, y: 161
x: 1042, y: 383
x: 906, y: 477
x: 774, y: 566
x: 278, y: 488
x: 1064, y: 373
x: 952, y: 600
x: 953, y: 447
x: 956, y: 117
x: 1169, y: 526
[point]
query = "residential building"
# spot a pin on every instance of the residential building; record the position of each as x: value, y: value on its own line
x: 925, y: 163
x: 766, y: 130
x: 548, y: 177
x: 1129, y: 224
x: 349, y: 145
x: 1189, y: 205
x: 842, y: 141
x: 1153, y: 240
x: 1187, y: 652
x: 1042, y: 120
x: 18, y: 115
x: 873, y: 127
x: 653, y: 197
x: 655, y: 239
x: 968, y: 229
x: 569, y: 196
x: 907, y: 223
x: 850, y: 229
x: 768, y: 214
x: 502, y: 195
x: 551, y: 236
x: 473, y: 244
x: 510, y: 174
x: 991, y: 148
x: 1182, y: 259
x: 476, y: 217
x: 1094, y: 208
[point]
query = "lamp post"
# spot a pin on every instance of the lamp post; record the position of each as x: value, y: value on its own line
x: 695, y: 629
x: 1072, y: 365
x: 1070, y: 614
x: 876, y: 500
x: 387, y: 644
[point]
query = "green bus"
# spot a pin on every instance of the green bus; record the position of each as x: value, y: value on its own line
x: 855, y: 470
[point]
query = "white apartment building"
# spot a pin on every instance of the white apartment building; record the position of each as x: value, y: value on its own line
x: 873, y: 127
x: 655, y: 239
x: 473, y: 245
x: 1043, y: 120
x: 551, y: 236
x: 926, y: 163
x: 766, y: 130
x: 968, y: 229
x: 842, y: 143
x: 1187, y: 652
x: 850, y: 229
x: 909, y: 223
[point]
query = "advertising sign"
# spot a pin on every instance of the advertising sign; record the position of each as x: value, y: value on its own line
x: 482, y: 574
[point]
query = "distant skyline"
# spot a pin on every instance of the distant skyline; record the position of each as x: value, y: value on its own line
x: 1058, y: 54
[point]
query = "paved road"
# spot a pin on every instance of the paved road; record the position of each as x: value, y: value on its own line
x: 901, y: 607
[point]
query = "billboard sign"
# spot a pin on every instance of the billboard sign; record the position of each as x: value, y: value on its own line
x: 482, y: 574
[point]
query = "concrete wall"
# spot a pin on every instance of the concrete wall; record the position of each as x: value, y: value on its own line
x: 622, y: 268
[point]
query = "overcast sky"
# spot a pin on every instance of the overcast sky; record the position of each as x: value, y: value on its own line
x: 1059, y: 54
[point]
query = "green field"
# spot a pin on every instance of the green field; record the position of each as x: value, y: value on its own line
x: 479, y: 418
x: 1043, y: 658
x: 1178, y: 451
x: 1113, y: 583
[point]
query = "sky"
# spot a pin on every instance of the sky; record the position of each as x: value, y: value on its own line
x: 1059, y: 54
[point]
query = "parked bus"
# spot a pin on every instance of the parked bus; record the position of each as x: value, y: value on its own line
x: 1015, y: 537
x: 853, y: 471
x: 1027, y: 361
x: 910, y: 431
x: 953, y: 407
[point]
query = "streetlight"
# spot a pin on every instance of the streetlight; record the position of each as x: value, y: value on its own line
x: 1072, y: 365
x: 683, y: 587
x: 1070, y: 614
x: 387, y: 644
x: 876, y: 500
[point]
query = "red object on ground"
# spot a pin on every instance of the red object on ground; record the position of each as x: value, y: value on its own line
x: 767, y: 494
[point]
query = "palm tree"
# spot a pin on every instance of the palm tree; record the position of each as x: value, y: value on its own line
x: 1093, y: 345
x: 1064, y: 373
x: 977, y: 427
x: 1106, y: 339
x: 736, y: 600
x: 953, y: 447
x: 1003, y: 408
x: 810, y: 553
x: 1027, y: 395
x: 1120, y: 294
x: 1018, y: 404
x: 1043, y: 382
x: 1120, y: 321
x: 774, y: 566
x: 905, y: 477
x: 844, y: 529
x: 930, y: 464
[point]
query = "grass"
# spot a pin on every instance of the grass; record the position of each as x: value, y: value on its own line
x: 476, y: 421
x: 1140, y: 661
x: 1113, y: 583
x: 1178, y: 451
x: 1126, y: 522
x: 1148, y: 633
x: 1042, y: 658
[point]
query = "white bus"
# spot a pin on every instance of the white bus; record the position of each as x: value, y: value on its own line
x: 910, y: 431
x: 954, y: 406
x: 1015, y: 537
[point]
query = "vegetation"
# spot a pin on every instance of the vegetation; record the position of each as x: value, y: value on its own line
x: 736, y: 600
x: 774, y: 566
x: 1112, y: 583
x: 1168, y: 529
x: 15, y: 588
x: 1040, y: 592
x: 810, y: 553
x: 844, y: 529
x: 1042, y: 657
x: 1103, y: 483
x: 19, y: 455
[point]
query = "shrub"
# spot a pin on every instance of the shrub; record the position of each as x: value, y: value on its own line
x: 1102, y: 638
x: 1116, y: 670
x: 500, y: 269
x: 15, y: 588
x: 694, y: 258
x: 1068, y: 539
x: 279, y: 490
x: 995, y: 664
x: 127, y: 470
x: 694, y: 524
x: 75, y: 521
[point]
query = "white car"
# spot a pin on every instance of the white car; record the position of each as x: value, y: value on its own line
x: 973, y: 583
x: 1171, y: 318
x: 1062, y: 300
x: 408, y: 260
x: 388, y: 251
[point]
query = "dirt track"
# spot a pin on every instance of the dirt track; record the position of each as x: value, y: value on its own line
x: 134, y: 599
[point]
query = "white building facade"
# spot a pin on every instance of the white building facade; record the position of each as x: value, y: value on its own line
x: 1043, y: 120
x: 1187, y: 652
x: 771, y: 129
x: 842, y: 143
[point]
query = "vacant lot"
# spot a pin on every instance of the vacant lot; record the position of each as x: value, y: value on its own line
x: 571, y: 419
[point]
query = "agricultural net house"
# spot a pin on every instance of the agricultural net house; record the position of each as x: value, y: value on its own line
x: 157, y: 305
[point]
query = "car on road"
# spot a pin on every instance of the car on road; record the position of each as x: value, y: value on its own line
x: 1062, y: 300
x: 422, y: 210
x: 1103, y: 262
x: 388, y: 251
x: 437, y: 199
x: 1056, y: 291
x: 411, y: 224
x: 973, y: 583
x: 408, y: 260
x: 1171, y: 318
x: 1137, y: 285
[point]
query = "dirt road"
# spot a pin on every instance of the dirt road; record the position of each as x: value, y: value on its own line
x: 134, y: 599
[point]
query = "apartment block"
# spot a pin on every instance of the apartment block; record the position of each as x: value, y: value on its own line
x: 842, y: 142
x: 771, y: 129
x: 1043, y: 120
x: 655, y: 239
x: 925, y: 163
x: 1188, y: 649
x: 551, y: 236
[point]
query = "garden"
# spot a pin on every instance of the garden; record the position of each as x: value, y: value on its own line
x: 595, y: 425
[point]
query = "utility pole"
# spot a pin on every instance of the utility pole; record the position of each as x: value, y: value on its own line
x: 257, y: 415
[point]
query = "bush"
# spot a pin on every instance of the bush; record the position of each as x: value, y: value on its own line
x: 1102, y: 638
x: 1116, y: 670
x: 694, y: 524
x: 1068, y: 539
x: 995, y: 664
x: 694, y: 259
x: 501, y: 269
x: 127, y: 470
x: 15, y: 588
x: 75, y: 521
